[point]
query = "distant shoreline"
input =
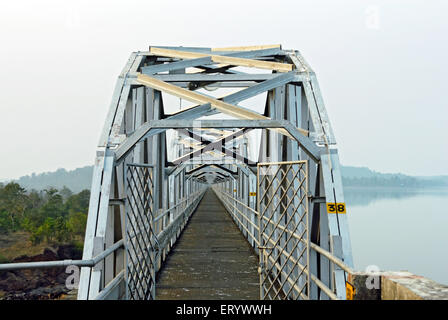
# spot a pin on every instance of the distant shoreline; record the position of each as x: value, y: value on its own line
x: 352, y: 178
x: 420, y: 189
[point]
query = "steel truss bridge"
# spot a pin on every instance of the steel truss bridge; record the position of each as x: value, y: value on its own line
x: 275, y: 171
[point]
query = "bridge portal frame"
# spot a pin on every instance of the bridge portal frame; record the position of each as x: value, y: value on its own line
x: 134, y: 132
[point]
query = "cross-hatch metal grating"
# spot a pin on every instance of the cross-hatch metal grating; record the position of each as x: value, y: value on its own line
x: 140, y: 238
x: 283, y: 223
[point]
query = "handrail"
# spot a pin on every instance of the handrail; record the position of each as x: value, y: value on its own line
x: 250, y: 234
x: 63, y: 263
x: 160, y: 216
x: 193, y: 195
x: 312, y: 245
x: 323, y: 287
x: 243, y: 204
x: 331, y: 257
x: 187, y: 203
x: 245, y: 228
x: 255, y: 226
x: 165, y: 232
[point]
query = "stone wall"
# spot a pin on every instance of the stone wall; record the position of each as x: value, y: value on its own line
x: 392, y: 285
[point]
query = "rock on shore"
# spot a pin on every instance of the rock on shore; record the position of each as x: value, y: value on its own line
x: 38, y: 284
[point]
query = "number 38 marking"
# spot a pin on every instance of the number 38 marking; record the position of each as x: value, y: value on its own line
x: 336, y: 207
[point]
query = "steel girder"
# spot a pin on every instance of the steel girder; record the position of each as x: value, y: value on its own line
x: 294, y: 126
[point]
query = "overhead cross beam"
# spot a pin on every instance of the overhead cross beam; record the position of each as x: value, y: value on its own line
x: 178, y: 65
x: 304, y: 141
x: 235, y: 61
x: 206, y: 77
x: 192, y: 146
x: 202, y: 174
x: 210, y: 165
x: 209, y: 145
x: 218, y: 144
x: 195, y: 97
x: 207, y: 60
x: 222, y: 105
x: 197, y: 111
x: 206, y: 169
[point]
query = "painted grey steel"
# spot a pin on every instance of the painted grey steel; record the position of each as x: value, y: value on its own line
x: 179, y: 65
x: 259, y: 88
x: 108, y: 292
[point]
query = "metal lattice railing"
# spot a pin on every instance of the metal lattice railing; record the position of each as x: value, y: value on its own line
x: 140, y: 238
x: 245, y: 217
x: 283, y: 225
x: 288, y: 264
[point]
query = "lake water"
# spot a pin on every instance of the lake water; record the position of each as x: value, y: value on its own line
x: 400, y: 230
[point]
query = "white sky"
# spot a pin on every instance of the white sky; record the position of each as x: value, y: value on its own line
x: 383, y: 79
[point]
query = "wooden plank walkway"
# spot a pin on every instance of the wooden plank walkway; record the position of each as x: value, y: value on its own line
x: 211, y: 260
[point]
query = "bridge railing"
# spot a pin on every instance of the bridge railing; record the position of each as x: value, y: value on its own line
x: 172, y: 221
x: 243, y: 215
x: 169, y: 224
x: 90, y: 263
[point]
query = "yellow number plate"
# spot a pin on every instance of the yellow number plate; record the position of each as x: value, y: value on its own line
x: 252, y: 194
x: 336, y: 207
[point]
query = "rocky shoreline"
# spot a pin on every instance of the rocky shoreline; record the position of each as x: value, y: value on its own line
x: 39, y: 284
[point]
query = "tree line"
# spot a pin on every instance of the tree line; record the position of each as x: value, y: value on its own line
x: 51, y: 215
x: 401, y: 181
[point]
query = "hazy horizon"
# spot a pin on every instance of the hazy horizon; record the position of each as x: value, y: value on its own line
x: 90, y: 165
x: 381, y: 66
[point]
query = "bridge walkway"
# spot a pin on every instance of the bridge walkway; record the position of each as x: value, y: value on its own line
x: 211, y: 260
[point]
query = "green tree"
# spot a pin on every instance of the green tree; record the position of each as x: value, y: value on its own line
x: 44, y: 214
x: 76, y: 223
x: 5, y: 221
x: 61, y: 232
x: 78, y: 202
x: 13, y: 202
x: 45, y: 231
x: 54, y: 206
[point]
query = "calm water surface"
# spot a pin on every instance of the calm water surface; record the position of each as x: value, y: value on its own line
x: 400, y: 230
